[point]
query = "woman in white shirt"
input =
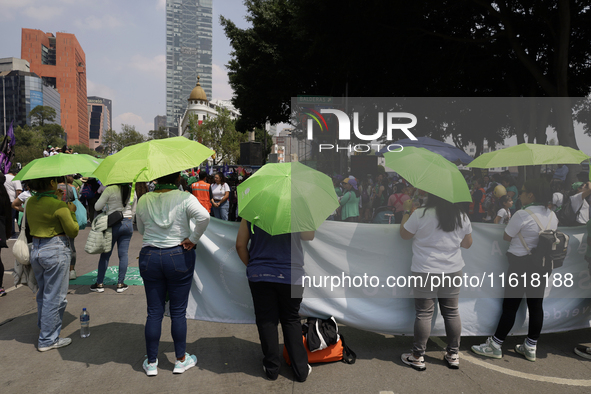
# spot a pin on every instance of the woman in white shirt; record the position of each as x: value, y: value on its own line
x: 221, y: 193
x: 522, y: 231
x: 167, y: 262
x: 115, y: 198
x: 438, y: 231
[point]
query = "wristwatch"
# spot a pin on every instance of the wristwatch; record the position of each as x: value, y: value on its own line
x: 407, y: 213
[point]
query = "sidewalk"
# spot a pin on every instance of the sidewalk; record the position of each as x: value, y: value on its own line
x: 229, y: 355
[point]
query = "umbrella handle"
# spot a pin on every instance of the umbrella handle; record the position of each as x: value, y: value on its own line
x: 252, y: 224
x: 133, y: 184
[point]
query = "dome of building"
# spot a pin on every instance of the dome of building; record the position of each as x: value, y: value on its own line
x: 198, y: 93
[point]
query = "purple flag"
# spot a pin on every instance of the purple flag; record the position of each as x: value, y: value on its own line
x: 6, y: 150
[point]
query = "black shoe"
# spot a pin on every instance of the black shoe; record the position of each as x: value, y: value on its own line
x: 121, y: 287
x: 268, y: 374
x: 97, y: 287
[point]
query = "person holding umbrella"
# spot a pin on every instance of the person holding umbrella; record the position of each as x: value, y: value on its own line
x: 52, y: 224
x: 275, y: 259
x: 167, y: 262
x: 438, y: 230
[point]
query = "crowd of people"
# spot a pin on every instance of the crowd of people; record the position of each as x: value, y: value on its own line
x: 164, y: 208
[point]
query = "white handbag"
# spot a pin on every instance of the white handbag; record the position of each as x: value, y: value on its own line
x: 20, y: 249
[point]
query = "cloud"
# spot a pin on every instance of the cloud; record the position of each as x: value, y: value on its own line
x: 99, y: 23
x: 160, y: 4
x: 43, y: 12
x: 96, y: 89
x: 155, y: 67
x: 134, y: 120
x: 221, y: 85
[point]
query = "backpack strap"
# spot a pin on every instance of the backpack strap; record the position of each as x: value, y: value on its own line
x: 349, y: 356
x: 539, y: 225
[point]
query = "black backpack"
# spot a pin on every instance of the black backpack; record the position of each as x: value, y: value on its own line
x: 566, y: 214
x: 552, y: 245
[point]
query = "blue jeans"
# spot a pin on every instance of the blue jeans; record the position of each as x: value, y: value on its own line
x: 221, y: 212
x: 122, y: 233
x: 50, y: 259
x: 166, y: 271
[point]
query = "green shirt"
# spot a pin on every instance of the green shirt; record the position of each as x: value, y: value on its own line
x: 350, y: 205
x: 48, y: 217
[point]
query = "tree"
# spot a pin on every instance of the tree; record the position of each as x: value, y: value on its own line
x: 29, y: 145
x: 113, y: 142
x: 83, y: 149
x: 110, y: 142
x: 433, y: 48
x: 219, y: 134
x: 259, y: 136
x: 129, y: 136
x: 159, y: 134
x: 51, y: 134
x: 42, y: 114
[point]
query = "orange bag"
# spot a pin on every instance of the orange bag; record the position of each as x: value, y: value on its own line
x: 335, y: 352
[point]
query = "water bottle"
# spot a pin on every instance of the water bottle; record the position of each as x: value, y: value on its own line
x: 84, y: 324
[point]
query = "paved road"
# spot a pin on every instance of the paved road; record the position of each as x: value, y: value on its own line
x: 229, y: 355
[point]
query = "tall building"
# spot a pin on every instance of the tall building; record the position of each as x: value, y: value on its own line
x: 159, y: 121
x: 188, y: 53
x: 22, y: 91
x: 60, y: 61
x: 99, y: 120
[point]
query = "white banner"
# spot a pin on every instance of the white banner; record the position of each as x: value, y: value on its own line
x: 359, y: 273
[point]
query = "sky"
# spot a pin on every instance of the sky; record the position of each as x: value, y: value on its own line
x: 125, y: 46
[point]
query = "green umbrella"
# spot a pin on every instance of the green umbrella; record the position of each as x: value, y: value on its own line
x: 430, y: 172
x: 92, y: 159
x: 286, y: 198
x: 529, y: 155
x: 150, y: 160
x: 56, y: 165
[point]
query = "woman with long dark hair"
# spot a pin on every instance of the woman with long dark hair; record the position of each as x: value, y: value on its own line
x: 115, y: 198
x: 438, y: 230
x: 523, y: 233
x: 167, y: 262
x: 52, y: 223
x: 6, y: 218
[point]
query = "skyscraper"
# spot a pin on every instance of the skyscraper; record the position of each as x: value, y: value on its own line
x: 99, y: 117
x: 188, y: 53
x: 60, y: 61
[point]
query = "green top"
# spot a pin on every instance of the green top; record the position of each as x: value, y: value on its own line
x: 48, y: 217
x: 515, y: 196
x: 77, y: 183
x: 350, y: 205
x: 338, y: 191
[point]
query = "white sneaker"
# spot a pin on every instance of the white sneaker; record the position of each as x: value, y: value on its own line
x: 73, y: 274
x: 151, y: 368
x: 182, y: 366
x: 61, y: 342
x: 488, y: 349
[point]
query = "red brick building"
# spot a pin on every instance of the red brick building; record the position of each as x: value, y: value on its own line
x: 61, y: 62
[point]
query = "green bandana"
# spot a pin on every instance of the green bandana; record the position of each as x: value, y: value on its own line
x: 168, y: 186
x: 44, y: 194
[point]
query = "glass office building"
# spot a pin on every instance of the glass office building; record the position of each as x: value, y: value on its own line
x: 188, y: 53
x: 23, y: 91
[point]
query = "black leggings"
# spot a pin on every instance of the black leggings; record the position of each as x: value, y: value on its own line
x: 536, y: 317
x: 514, y: 295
